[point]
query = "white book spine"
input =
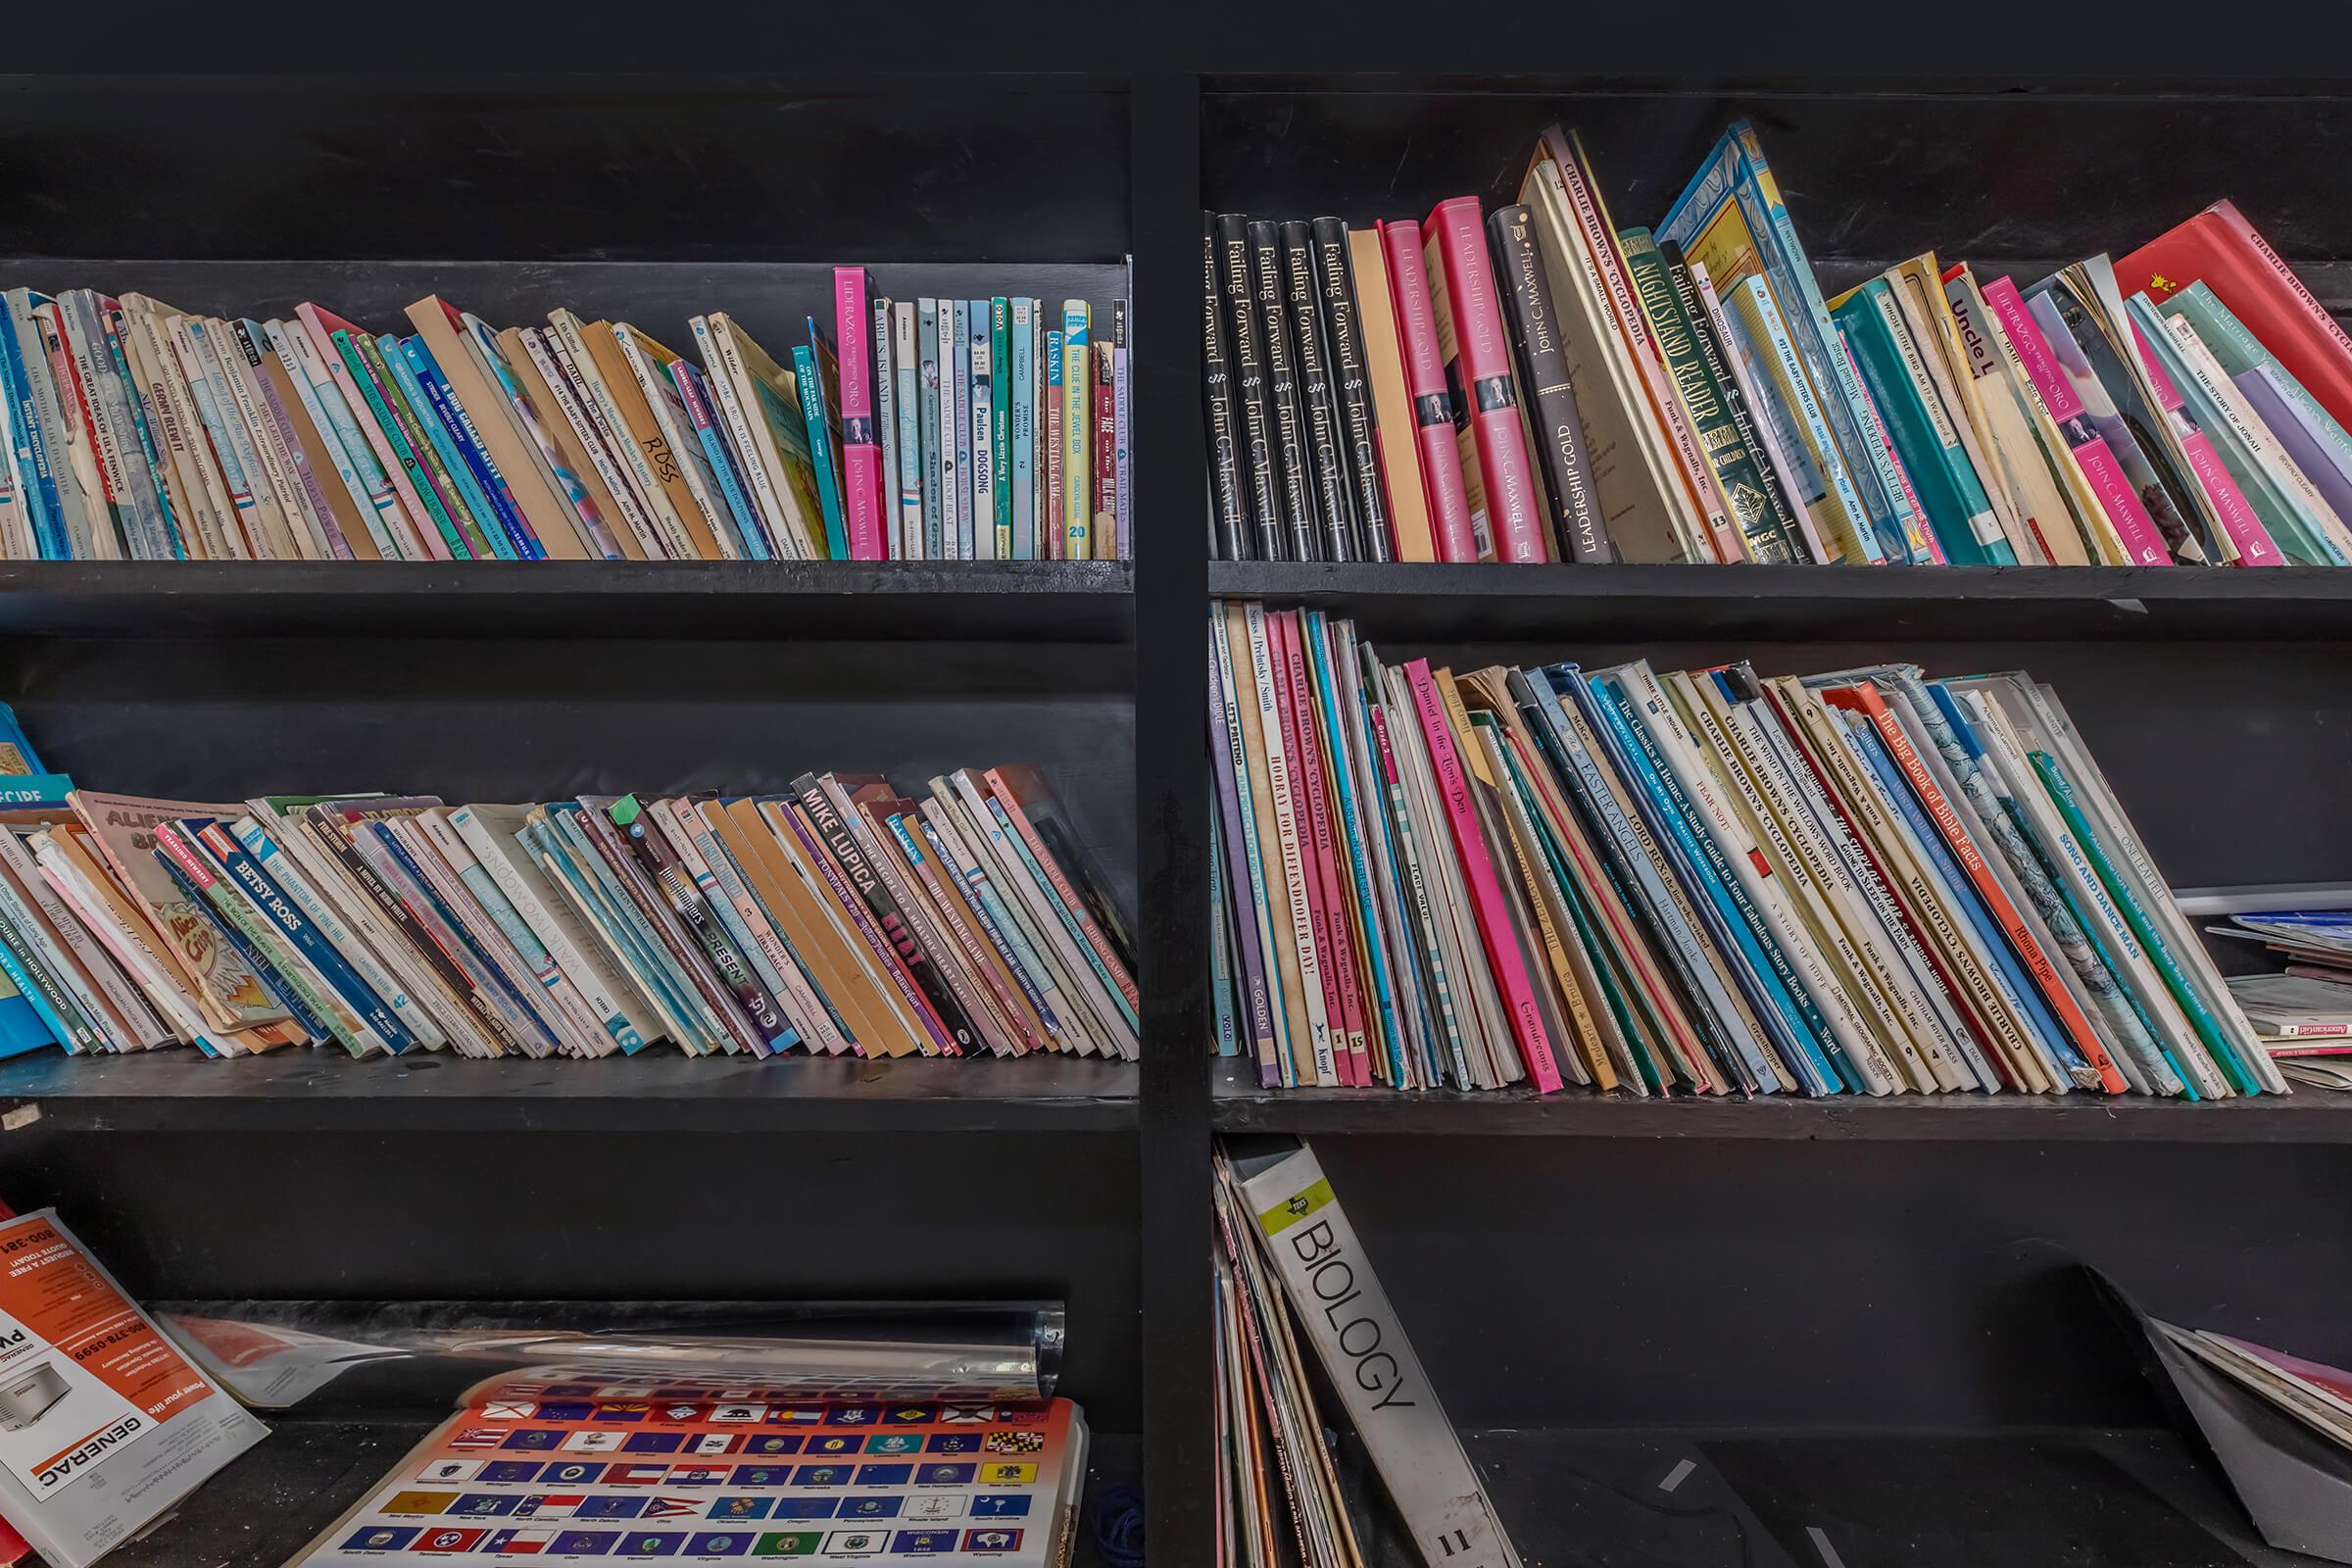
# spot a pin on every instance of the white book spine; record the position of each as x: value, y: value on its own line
x: 1336, y: 1299
x: 497, y: 857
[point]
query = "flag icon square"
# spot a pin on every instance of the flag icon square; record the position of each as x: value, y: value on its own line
x: 936, y: 1505
x: 380, y: 1537
x: 448, y: 1539
x: 511, y: 1470
x: 519, y: 1542
x: 991, y: 1541
x: 953, y: 1474
x: 722, y: 1544
x: 477, y: 1437
x: 636, y: 1475
x: 1013, y: 1443
x: 952, y: 1443
x: 895, y: 1443
x: 1007, y: 1474
x: 786, y: 1543
x: 871, y: 1507
x: 585, y: 1543
x: 507, y: 1410
x: 1008, y: 1508
x: 420, y: 1503
x: 569, y: 1473
x: 588, y: 1440
x: 921, y: 1542
x: 772, y: 1443
x: 855, y: 1542
x: 740, y: 1507
x: 451, y: 1470
x: 653, y: 1543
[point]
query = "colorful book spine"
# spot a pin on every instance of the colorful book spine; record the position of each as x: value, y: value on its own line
x: 2159, y: 351
x: 906, y: 368
x: 27, y: 434
x: 1906, y: 398
x: 860, y: 444
x: 2118, y: 497
x: 999, y: 414
x: 1104, y: 533
x: 694, y: 392
x: 980, y: 413
x: 886, y: 424
x: 1424, y: 382
x: 956, y: 412
x: 1494, y: 918
x: 814, y: 417
x: 428, y: 438
x: 356, y: 364
x: 476, y: 469
x: 1049, y: 528
x: 1122, y: 510
x: 1077, y: 422
x: 1021, y: 428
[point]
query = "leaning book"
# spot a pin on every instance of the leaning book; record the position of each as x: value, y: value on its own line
x: 104, y: 1425
x: 1357, y: 1336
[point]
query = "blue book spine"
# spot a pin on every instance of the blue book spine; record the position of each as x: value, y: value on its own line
x: 256, y: 960
x: 1624, y: 838
x: 700, y: 413
x: 1023, y: 339
x: 1794, y: 1032
x: 413, y: 886
x: 1924, y: 431
x: 27, y: 438
x: 488, y: 477
x: 23, y: 1028
x: 811, y: 384
x: 433, y: 417
x: 110, y: 319
x: 961, y: 376
x: 1360, y: 865
x: 1957, y: 891
x: 279, y: 909
x: 685, y: 1003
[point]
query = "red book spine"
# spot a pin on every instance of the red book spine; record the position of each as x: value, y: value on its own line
x: 860, y: 441
x: 2220, y: 249
x: 1337, y: 908
x: 1515, y: 512
x: 1425, y: 383
x: 1281, y: 646
x: 1867, y: 702
x: 1503, y: 959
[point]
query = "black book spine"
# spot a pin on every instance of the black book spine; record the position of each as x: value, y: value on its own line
x: 1543, y: 360
x: 1261, y: 470
x: 1231, y: 507
x: 1282, y: 390
x: 1345, y: 323
x: 1319, y: 397
x: 1716, y: 353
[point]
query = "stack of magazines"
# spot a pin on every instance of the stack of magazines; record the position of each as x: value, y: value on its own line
x: 1535, y: 383
x: 1707, y: 881
x: 906, y: 429
x: 837, y: 917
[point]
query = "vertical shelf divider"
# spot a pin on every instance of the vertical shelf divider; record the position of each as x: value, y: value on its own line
x: 1171, y: 600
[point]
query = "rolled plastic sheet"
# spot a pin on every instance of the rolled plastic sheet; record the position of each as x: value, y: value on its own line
x: 326, y: 1357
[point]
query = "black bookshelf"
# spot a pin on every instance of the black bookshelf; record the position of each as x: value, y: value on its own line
x: 1665, y: 1265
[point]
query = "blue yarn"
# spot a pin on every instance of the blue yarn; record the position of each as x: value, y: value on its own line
x: 1119, y: 1525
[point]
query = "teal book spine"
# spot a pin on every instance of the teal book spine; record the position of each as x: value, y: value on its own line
x: 468, y: 506
x: 27, y: 440
x: 999, y: 395
x: 1022, y: 426
x: 154, y: 492
x: 981, y: 416
x: 362, y: 375
x: 445, y: 426
x: 1783, y: 995
x: 2151, y: 939
x: 1922, y: 433
x: 813, y: 415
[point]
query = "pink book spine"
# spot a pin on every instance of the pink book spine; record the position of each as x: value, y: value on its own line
x: 860, y: 441
x: 1490, y: 387
x: 2255, y: 547
x: 1342, y: 967
x: 1281, y: 643
x: 413, y: 516
x: 1478, y: 869
x: 1425, y: 383
x: 2133, y: 524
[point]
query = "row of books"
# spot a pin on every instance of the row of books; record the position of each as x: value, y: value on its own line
x: 906, y: 429
x: 1535, y: 383
x: 841, y: 917
x: 1707, y: 881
